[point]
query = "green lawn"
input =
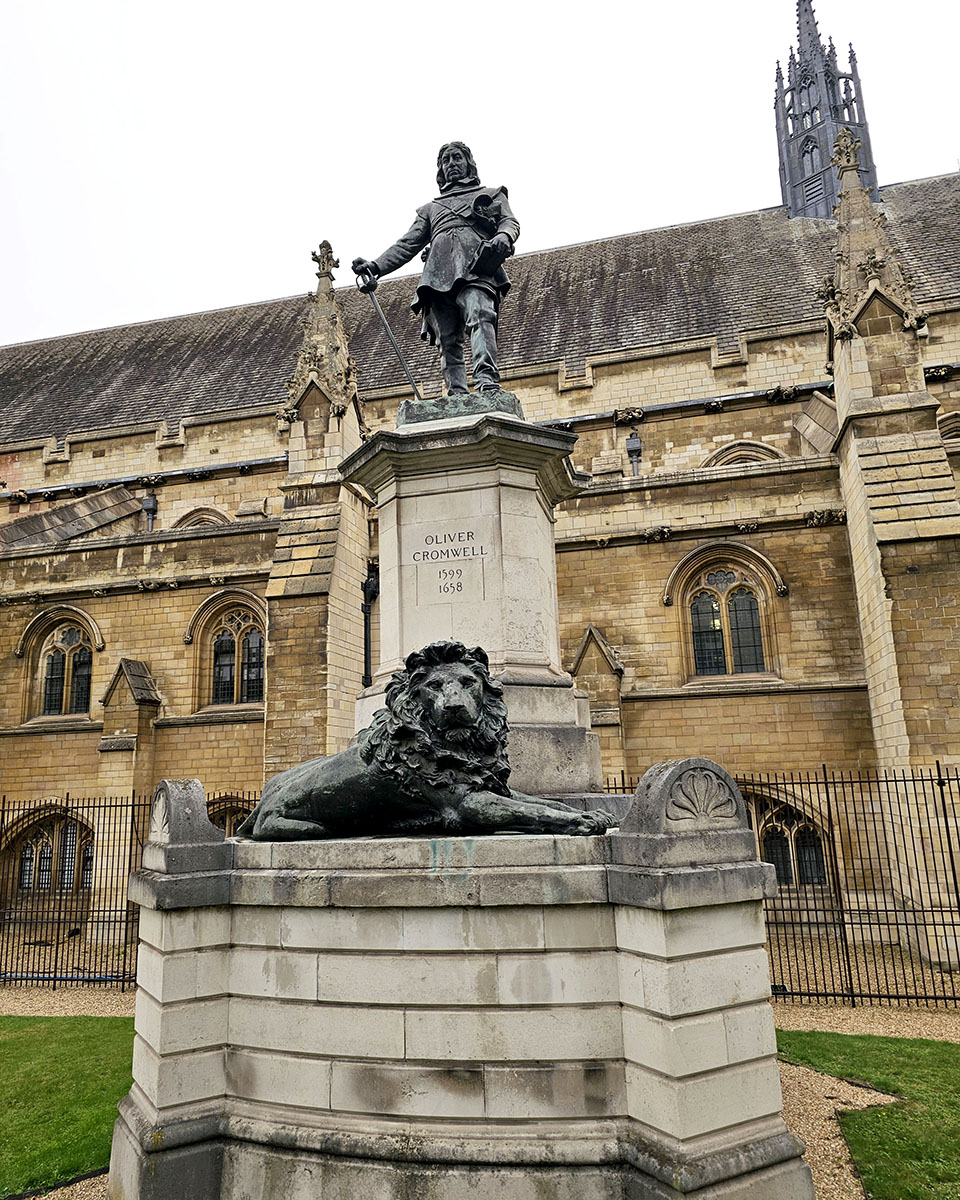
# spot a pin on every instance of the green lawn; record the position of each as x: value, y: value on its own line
x: 906, y: 1151
x: 60, y: 1080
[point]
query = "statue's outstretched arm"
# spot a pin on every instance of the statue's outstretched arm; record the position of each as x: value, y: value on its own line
x: 412, y: 242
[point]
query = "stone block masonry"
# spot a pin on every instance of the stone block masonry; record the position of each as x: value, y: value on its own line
x: 518, y: 1016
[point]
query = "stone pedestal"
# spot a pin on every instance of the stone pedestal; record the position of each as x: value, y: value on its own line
x: 466, y: 510
x: 519, y: 1017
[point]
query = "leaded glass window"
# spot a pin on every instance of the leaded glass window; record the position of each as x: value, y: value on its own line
x: 45, y: 866
x: 53, y: 678
x: 86, y: 866
x: 237, y: 635
x: 66, y: 664
x: 745, y: 640
x: 55, y: 853
x: 68, y: 855
x: 707, y: 635
x: 25, y: 876
x: 811, y: 868
x: 251, y: 668
x: 224, y: 662
x: 776, y: 850
x: 725, y: 624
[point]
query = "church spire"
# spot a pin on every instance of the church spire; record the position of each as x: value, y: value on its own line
x: 817, y: 100
x: 808, y: 36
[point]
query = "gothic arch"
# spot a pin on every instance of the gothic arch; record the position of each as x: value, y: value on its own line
x: 43, y: 809
x: 201, y: 516
x: 213, y: 604
x: 740, y: 452
x: 724, y: 595
x: 72, y: 682
x: 44, y: 621
x: 733, y: 552
x: 811, y: 160
x: 229, y: 633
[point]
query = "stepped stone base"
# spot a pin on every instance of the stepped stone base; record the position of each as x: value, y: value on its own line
x: 510, y: 1017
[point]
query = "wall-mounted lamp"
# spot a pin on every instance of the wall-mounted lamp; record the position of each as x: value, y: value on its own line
x: 149, y: 505
x: 634, y: 450
x: 370, y: 590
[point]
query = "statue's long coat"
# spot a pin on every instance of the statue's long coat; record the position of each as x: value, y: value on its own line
x: 455, y: 229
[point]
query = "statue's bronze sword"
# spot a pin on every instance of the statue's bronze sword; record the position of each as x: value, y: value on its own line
x: 367, y: 282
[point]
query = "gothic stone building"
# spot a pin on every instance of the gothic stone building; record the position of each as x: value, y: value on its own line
x: 764, y: 568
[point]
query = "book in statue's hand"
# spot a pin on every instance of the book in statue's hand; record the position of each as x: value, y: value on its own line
x: 490, y: 258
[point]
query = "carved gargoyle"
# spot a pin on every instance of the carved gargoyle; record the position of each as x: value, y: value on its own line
x: 433, y: 761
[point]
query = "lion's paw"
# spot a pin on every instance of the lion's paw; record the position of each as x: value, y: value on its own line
x: 595, y: 821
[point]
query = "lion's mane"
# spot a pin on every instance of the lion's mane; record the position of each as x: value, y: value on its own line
x: 403, y: 743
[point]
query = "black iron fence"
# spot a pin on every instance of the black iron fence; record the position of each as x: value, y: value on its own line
x: 868, y: 908
x: 64, y: 865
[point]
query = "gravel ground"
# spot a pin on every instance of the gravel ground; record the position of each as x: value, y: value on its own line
x: 940, y: 1025
x: 87, y: 1189
x: 65, y: 1002
x: 810, y: 1100
x: 810, y: 1103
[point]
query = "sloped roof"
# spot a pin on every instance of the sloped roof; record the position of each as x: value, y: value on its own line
x: 68, y: 520
x: 143, y: 687
x: 714, y: 278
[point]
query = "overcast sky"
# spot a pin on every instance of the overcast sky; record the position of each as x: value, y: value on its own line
x: 158, y: 159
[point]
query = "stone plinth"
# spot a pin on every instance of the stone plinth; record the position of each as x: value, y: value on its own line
x: 466, y: 512
x: 511, y: 1016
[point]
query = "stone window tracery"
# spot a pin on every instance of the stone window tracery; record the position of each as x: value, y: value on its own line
x: 237, y: 658
x: 726, y: 596
x: 810, y: 158
x: 55, y: 854
x: 66, y: 665
x: 725, y: 624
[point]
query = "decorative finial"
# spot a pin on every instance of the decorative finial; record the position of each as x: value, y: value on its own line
x: 325, y: 261
x: 845, y: 151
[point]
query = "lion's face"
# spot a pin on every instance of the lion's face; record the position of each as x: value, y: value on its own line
x: 451, y: 695
x: 444, y: 724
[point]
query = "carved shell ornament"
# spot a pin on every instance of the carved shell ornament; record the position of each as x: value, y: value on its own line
x: 699, y: 795
x: 159, y: 819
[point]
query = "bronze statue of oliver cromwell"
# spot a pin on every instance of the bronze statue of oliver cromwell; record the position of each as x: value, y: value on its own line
x: 470, y: 231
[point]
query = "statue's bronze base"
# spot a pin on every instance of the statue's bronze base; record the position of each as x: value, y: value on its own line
x: 459, y: 404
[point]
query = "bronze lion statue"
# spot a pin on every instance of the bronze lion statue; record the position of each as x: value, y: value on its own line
x: 433, y: 761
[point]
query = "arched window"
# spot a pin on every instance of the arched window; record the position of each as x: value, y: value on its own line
x: 810, y: 159
x: 237, y: 658
x: 775, y: 849
x: 55, y: 853
x: 789, y: 837
x: 66, y: 665
x: 726, y: 596
x: 227, y: 812
x: 725, y: 624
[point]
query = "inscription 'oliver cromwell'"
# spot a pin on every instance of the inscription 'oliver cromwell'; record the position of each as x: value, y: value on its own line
x: 448, y: 547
